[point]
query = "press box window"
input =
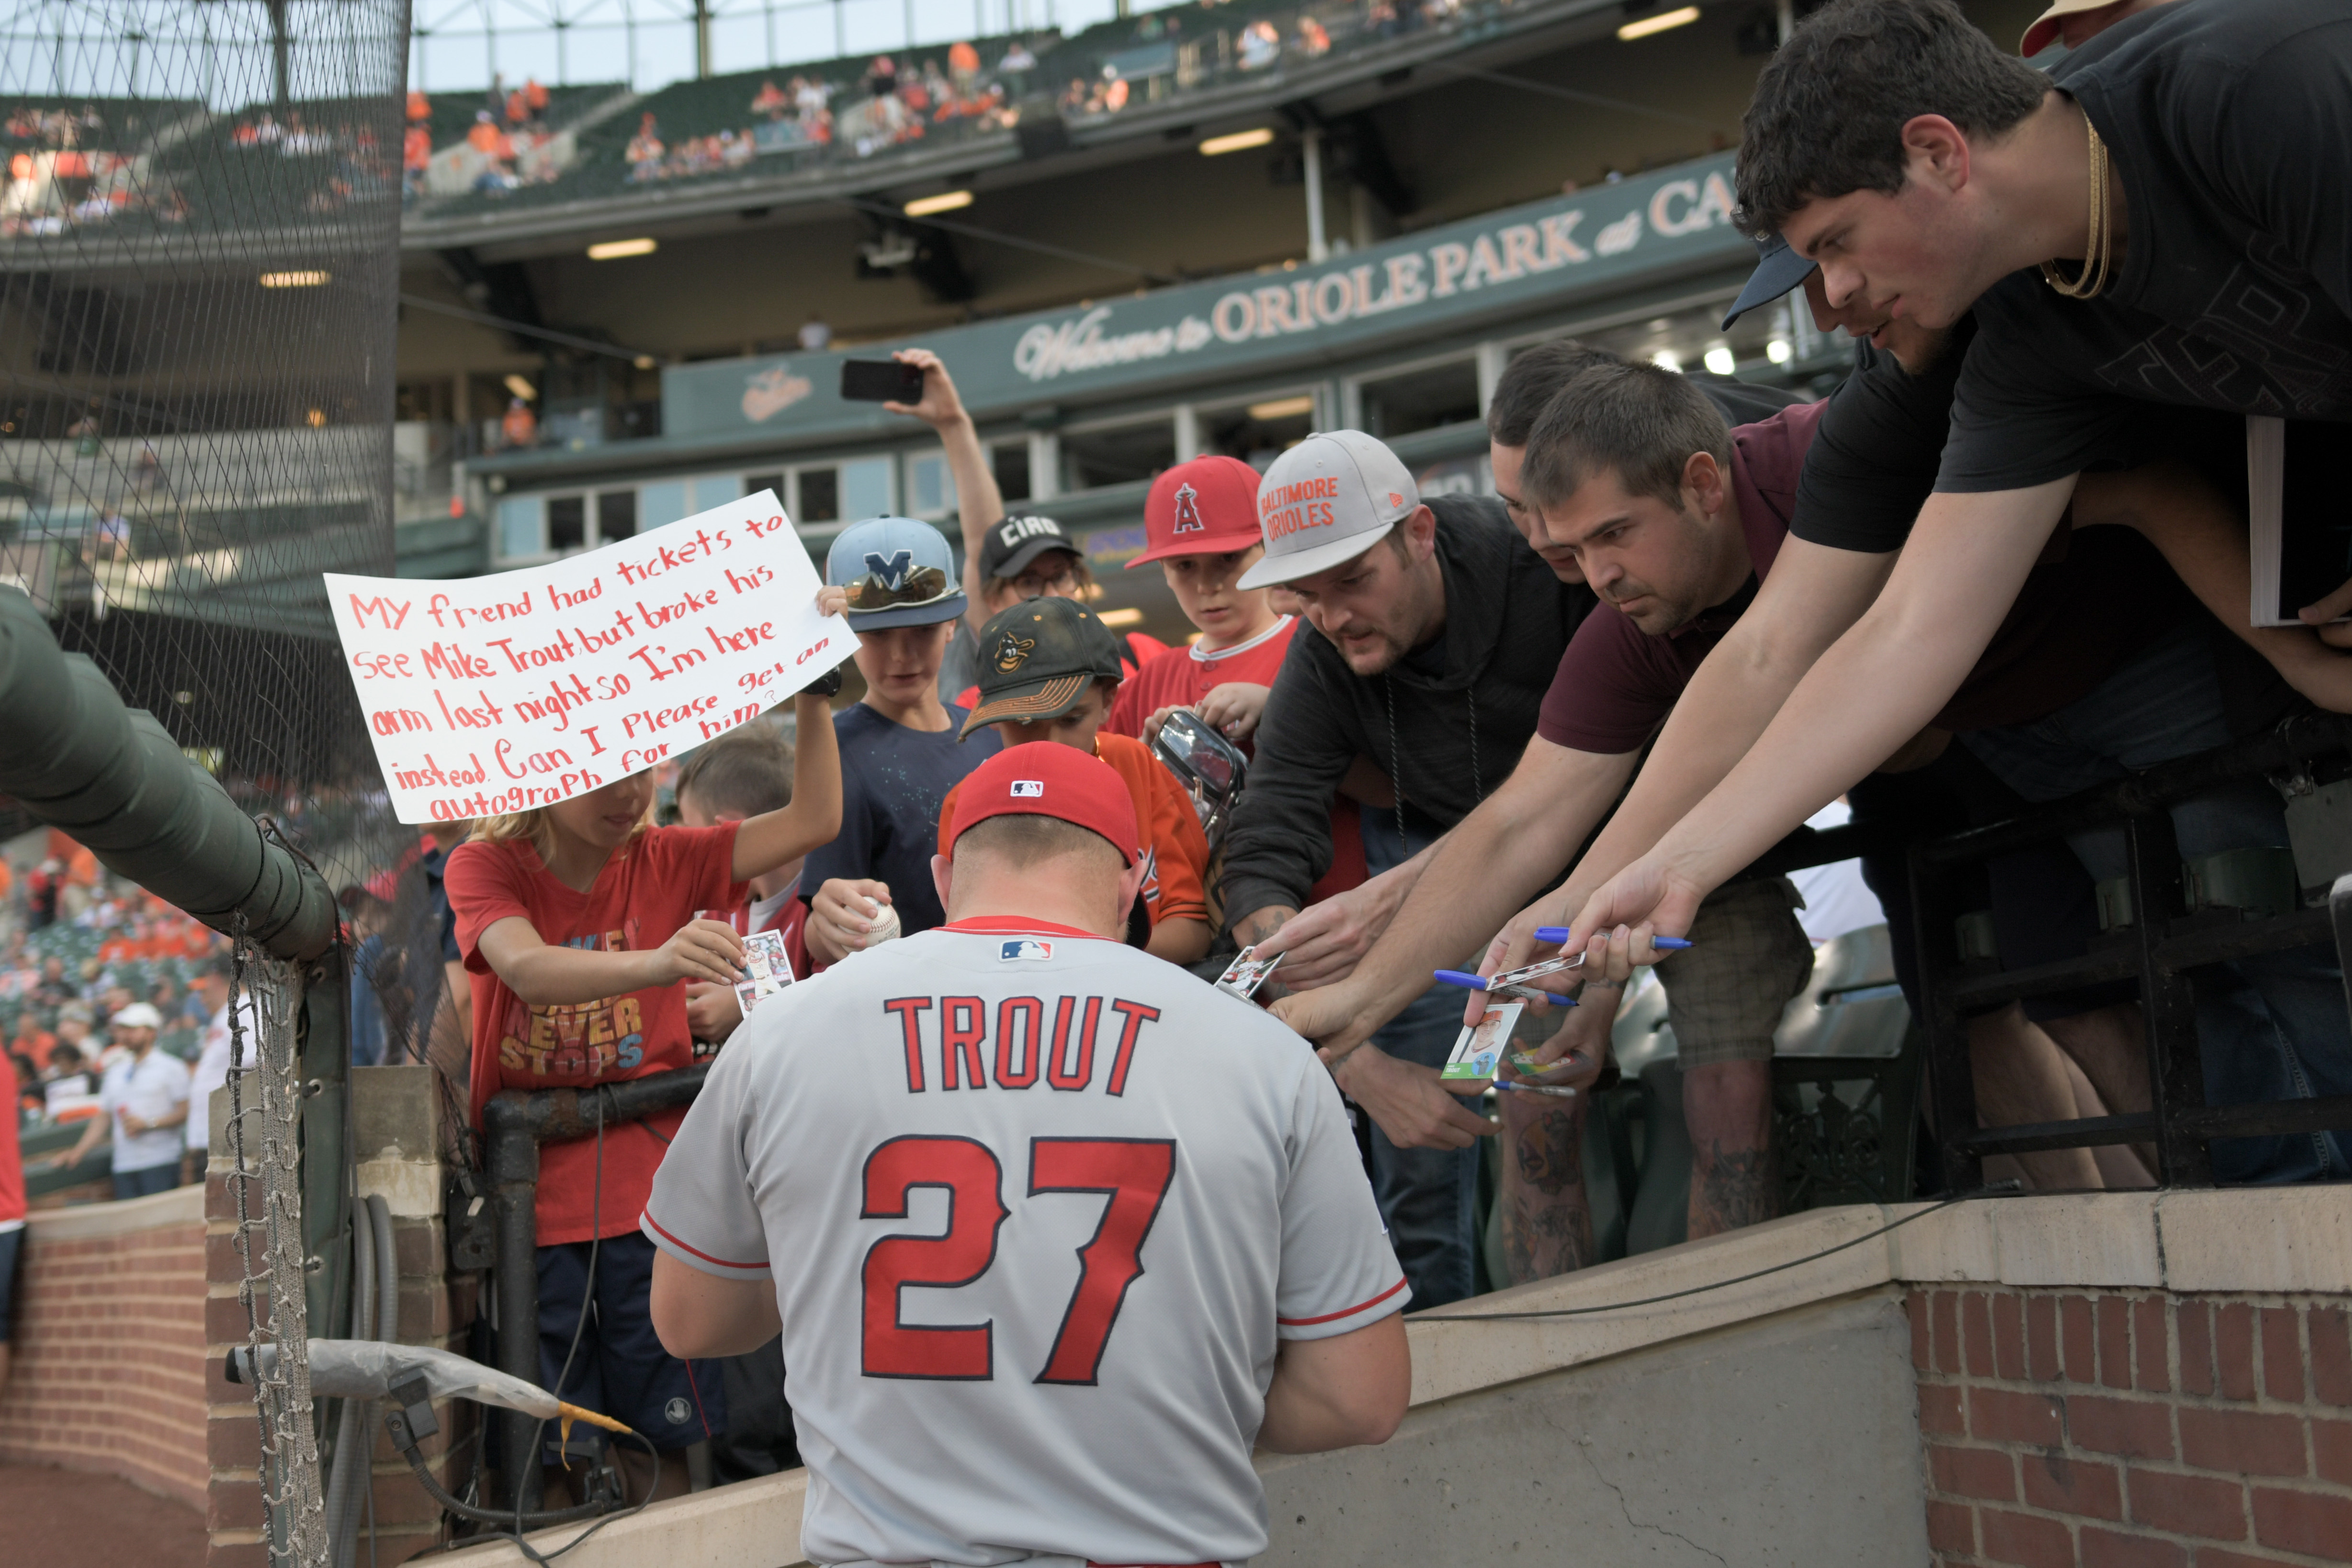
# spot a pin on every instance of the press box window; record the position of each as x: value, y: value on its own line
x: 567, y: 523
x: 1259, y: 431
x: 1117, y: 455
x: 1009, y: 460
x: 616, y: 516
x: 866, y: 489
x: 1425, y: 399
x: 820, y: 496
x: 931, y: 488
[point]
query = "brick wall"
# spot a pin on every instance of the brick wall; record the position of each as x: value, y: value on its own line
x: 2135, y: 1429
x: 393, y: 1112
x: 109, y: 1345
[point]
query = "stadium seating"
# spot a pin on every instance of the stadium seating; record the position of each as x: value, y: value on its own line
x: 1088, y: 77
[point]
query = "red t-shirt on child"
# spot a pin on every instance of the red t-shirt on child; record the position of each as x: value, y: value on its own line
x: 1180, y: 677
x: 645, y: 891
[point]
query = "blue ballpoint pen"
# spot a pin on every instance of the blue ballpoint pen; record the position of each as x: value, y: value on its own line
x: 1470, y: 982
x: 1560, y: 935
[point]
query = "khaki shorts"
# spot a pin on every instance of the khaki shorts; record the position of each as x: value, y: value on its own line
x: 1747, y: 958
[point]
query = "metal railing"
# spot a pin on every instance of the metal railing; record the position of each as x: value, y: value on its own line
x: 2162, y: 944
x: 514, y: 1124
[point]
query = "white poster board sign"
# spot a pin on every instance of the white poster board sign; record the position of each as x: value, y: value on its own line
x: 499, y: 694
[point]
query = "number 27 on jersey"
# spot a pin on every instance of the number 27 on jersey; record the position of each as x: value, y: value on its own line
x: 1131, y: 1175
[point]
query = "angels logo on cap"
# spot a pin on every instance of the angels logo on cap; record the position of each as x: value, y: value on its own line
x: 1028, y: 788
x: 1188, y: 512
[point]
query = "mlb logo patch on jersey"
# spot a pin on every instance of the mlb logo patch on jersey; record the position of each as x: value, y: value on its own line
x: 1028, y: 788
x: 1023, y: 947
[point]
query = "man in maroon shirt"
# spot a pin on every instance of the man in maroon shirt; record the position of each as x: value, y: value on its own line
x: 1675, y: 520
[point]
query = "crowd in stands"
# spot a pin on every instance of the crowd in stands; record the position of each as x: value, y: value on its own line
x: 863, y: 107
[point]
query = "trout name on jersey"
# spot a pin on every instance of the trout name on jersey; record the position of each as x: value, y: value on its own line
x: 957, y: 1043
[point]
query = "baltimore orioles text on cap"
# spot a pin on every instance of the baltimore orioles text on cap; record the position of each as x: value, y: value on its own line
x: 1046, y: 779
x: 1325, y: 502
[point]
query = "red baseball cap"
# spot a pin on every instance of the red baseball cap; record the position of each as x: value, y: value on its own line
x: 1047, y: 778
x: 1206, y: 506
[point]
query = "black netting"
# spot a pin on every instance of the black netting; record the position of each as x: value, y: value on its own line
x: 199, y: 229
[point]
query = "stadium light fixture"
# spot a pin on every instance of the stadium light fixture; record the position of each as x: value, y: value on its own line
x: 1657, y: 23
x: 1721, y: 361
x: 1239, y: 141
x: 615, y: 249
x: 945, y: 201
x: 1778, y: 350
x: 1668, y: 360
x: 1115, y: 619
x: 1283, y: 408
x: 293, y: 279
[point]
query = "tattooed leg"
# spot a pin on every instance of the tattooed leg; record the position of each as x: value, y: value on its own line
x: 1547, y: 1217
x: 1734, y: 1179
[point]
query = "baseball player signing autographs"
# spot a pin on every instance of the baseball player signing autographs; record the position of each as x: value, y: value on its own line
x: 1054, y: 1231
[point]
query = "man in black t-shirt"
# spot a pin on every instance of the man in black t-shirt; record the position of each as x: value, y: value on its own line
x: 2115, y: 696
x: 1923, y: 169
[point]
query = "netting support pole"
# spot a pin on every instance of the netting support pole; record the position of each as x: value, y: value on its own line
x: 326, y: 1071
x: 281, y: 63
x: 265, y: 1178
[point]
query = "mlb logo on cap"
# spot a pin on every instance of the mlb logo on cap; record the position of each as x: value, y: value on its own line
x: 1028, y: 788
x: 1327, y: 501
x: 1023, y: 947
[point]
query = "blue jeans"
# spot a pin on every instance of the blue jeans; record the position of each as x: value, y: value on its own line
x: 2271, y: 1027
x: 146, y: 1183
x: 1428, y: 1197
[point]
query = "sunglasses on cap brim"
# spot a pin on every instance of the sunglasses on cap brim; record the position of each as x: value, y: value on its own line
x: 924, y: 585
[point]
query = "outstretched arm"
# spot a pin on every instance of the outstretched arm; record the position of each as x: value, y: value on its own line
x: 775, y: 837
x: 2203, y: 540
x: 979, y: 505
x: 1811, y: 597
x: 1492, y: 861
x: 1870, y: 693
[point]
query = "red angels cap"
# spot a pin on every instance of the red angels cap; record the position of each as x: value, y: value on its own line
x: 1206, y: 506
x: 1047, y: 778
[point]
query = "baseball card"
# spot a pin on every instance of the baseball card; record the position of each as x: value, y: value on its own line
x: 766, y: 970
x: 1245, y: 974
x: 1480, y: 1049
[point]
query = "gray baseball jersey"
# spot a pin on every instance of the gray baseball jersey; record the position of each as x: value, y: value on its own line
x: 1037, y: 1208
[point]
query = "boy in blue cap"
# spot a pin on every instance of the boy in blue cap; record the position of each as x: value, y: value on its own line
x: 899, y: 755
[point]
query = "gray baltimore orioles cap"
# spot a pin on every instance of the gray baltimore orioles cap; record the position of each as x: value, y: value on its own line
x: 1327, y: 501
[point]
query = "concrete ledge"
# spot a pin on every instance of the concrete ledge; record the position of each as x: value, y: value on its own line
x: 181, y: 1205
x: 2257, y: 1241
x: 753, y: 1525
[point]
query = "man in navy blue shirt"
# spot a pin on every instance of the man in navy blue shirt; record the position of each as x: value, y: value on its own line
x: 899, y: 756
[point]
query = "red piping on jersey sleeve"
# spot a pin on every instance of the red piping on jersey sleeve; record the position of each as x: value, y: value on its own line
x: 1017, y: 926
x: 722, y: 1262
x: 1326, y: 1318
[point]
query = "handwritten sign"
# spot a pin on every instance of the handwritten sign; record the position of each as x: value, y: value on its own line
x: 500, y: 693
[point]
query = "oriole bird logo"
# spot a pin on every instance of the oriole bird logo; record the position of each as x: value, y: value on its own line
x: 1012, y: 652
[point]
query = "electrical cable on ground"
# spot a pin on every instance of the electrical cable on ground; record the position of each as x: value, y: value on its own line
x: 1995, y: 1190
